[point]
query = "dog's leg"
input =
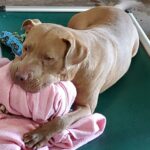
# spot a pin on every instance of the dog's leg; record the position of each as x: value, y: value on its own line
x: 40, y: 136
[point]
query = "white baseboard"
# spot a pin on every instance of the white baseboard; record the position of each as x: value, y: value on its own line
x: 46, y: 8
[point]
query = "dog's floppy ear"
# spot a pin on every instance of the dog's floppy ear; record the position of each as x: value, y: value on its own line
x: 76, y: 52
x: 29, y: 23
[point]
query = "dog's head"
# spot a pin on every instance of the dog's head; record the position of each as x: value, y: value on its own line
x: 51, y: 53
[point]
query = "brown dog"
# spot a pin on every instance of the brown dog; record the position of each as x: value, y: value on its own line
x: 94, y: 51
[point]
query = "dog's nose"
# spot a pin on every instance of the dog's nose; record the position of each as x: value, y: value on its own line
x: 21, y: 77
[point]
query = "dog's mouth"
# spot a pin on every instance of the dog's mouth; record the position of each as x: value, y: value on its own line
x: 32, y: 86
x: 29, y: 85
x: 35, y: 85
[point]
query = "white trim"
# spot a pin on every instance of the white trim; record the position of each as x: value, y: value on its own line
x: 143, y: 37
x: 46, y: 8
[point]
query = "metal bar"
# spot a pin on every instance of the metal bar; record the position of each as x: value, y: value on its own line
x: 46, y: 8
x: 143, y: 37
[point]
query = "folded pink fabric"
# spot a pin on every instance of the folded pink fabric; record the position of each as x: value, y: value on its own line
x: 29, y: 110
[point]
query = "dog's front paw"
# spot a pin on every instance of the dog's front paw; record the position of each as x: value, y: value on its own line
x: 40, y: 136
x: 37, y: 138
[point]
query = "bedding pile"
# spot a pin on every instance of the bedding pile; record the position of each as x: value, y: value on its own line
x: 28, y: 111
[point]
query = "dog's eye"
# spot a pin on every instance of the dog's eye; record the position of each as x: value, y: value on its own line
x: 47, y: 58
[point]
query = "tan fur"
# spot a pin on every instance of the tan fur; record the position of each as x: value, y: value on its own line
x: 94, y: 51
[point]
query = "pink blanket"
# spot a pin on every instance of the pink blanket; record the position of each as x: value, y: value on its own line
x: 30, y: 110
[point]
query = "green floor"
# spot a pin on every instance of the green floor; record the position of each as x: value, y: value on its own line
x: 126, y: 105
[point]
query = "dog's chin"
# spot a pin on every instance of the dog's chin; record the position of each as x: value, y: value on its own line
x: 31, y: 89
x: 33, y: 86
